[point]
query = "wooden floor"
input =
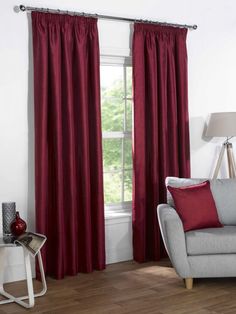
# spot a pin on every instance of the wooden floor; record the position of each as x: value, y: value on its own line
x: 131, y: 288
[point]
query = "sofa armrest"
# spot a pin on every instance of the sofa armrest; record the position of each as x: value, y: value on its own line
x: 174, y: 239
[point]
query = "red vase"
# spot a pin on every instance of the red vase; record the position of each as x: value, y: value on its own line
x: 18, y: 226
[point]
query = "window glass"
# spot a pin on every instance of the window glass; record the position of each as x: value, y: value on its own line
x: 129, y: 81
x: 112, y: 188
x: 128, y: 186
x: 116, y: 109
x: 127, y: 153
x: 112, y: 154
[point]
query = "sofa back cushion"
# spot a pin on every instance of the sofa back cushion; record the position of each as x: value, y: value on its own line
x: 223, y: 191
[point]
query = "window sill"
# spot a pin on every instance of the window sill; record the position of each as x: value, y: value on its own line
x: 115, y: 217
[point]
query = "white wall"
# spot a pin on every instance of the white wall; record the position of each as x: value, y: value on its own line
x: 212, y: 68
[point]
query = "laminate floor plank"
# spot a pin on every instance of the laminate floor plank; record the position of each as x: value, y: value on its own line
x: 126, y: 288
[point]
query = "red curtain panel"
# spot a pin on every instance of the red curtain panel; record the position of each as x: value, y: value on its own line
x: 68, y: 149
x: 161, y: 127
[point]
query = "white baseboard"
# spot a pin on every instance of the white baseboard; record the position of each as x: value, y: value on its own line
x: 120, y: 255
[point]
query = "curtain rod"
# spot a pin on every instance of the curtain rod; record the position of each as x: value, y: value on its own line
x: 101, y: 16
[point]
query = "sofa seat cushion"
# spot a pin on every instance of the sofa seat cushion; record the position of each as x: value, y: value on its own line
x: 211, y: 241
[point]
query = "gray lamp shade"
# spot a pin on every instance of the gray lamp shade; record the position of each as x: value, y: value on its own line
x: 221, y: 124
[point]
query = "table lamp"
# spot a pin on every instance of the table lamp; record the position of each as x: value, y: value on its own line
x: 223, y: 124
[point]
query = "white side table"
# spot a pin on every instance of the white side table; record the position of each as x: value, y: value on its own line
x: 19, y: 300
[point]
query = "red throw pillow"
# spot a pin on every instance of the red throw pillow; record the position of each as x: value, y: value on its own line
x: 195, y: 206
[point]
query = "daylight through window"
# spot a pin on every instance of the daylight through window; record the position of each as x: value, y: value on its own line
x: 116, y: 104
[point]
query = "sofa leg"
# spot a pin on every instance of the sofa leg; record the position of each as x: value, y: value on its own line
x: 189, y: 283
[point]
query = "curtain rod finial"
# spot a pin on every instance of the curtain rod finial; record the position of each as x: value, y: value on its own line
x: 195, y: 26
x: 22, y: 7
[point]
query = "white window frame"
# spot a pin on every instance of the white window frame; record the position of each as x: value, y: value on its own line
x: 118, y: 61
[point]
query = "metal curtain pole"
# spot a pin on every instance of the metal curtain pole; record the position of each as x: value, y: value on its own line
x: 101, y: 16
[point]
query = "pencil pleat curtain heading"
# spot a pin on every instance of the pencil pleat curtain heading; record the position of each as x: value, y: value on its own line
x: 68, y: 149
x: 161, y: 127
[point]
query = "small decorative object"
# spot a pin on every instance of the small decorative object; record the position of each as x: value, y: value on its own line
x: 8, y: 215
x: 18, y: 226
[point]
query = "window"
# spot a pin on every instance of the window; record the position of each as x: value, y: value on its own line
x: 116, y: 104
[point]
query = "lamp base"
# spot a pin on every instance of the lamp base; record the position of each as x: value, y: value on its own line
x: 228, y: 147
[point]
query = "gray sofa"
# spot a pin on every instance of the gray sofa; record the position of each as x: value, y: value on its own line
x: 207, y: 252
